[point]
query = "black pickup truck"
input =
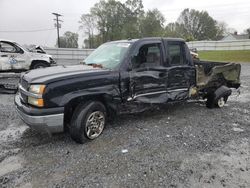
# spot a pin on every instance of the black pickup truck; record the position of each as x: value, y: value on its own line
x: 120, y: 77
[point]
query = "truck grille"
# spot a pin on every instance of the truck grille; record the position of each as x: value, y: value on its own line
x: 25, y: 85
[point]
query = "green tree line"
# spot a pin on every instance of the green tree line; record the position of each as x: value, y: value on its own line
x: 113, y: 20
x: 110, y: 20
x: 68, y: 40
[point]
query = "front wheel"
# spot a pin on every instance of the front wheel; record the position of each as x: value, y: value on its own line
x: 39, y: 65
x: 88, y: 121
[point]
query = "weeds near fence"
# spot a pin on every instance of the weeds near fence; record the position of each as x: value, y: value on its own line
x: 226, y: 55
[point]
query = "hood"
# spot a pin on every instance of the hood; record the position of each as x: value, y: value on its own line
x: 39, y: 49
x: 40, y: 55
x: 51, y: 74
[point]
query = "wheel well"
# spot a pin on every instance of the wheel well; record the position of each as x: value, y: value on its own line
x: 37, y: 61
x: 72, y: 104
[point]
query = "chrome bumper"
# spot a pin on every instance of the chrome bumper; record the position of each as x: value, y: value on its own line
x: 49, y: 123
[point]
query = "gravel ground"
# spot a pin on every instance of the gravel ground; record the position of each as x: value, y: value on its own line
x: 181, y: 145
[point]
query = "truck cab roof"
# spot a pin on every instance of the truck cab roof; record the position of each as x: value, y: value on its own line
x: 149, y: 39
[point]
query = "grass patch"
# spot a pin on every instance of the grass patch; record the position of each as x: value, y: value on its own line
x: 227, y: 55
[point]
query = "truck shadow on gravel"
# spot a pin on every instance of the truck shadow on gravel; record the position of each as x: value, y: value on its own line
x: 156, y: 112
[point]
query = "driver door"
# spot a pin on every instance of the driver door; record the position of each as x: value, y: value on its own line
x: 148, y: 75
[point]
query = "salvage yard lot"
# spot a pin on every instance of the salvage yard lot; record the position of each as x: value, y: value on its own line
x: 181, y: 145
x: 226, y: 56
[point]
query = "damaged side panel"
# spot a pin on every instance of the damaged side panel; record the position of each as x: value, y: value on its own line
x: 211, y: 74
x: 12, y: 62
x: 148, y: 85
x: 161, y: 85
x: 180, y: 80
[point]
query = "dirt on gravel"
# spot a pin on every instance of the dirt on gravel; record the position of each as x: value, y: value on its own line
x: 180, y: 145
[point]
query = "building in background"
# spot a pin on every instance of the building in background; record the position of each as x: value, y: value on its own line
x: 235, y: 36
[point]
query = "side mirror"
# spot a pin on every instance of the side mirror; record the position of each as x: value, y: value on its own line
x: 130, y: 67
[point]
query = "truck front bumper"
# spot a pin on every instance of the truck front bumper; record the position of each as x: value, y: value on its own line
x: 49, y: 120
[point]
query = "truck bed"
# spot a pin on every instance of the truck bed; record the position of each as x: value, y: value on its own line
x: 213, y: 74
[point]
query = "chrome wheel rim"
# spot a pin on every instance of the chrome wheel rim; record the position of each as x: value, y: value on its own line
x: 95, y: 124
x: 221, y: 102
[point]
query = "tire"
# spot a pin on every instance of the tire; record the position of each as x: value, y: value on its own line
x: 38, y: 65
x: 88, y: 121
x: 219, y: 103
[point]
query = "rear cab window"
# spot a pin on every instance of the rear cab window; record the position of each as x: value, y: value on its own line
x: 176, y: 54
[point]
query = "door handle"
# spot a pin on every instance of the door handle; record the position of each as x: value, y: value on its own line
x: 178, y: 75
x: 4, y: 55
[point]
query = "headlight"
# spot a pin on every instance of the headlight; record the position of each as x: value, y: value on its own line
x: 35, y: 101
x: 37, y: 89
x: 36, y: 97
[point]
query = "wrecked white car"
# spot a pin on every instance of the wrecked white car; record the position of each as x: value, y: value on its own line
x: 15, y: 57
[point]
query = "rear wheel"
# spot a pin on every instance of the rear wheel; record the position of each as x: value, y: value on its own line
x: 88, y: 121
x: 221, y: 102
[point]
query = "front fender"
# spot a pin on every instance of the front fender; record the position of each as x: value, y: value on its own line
x: 43, y: 57
x: 109, y: 94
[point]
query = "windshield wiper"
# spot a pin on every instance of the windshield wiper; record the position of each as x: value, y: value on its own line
x: 95, y: 65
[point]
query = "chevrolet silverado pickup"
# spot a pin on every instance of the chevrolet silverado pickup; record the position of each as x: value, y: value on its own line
x: 120, y: 77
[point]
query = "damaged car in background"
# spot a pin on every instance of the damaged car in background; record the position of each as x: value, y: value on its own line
x: 120, y: 77
x: 14, y: 57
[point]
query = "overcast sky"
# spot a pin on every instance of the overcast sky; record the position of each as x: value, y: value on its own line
x: 27, y: 15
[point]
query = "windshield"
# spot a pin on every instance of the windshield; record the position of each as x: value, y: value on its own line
x: 108, y: 55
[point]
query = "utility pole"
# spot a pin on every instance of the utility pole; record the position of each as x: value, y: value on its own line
x: 57, y: 25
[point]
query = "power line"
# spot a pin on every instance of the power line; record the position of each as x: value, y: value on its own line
x: 26, y: 31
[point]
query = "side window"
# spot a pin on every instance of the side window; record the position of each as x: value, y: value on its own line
x: 149, y: 55
x: 176, y: 54
x: 6, y: 47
